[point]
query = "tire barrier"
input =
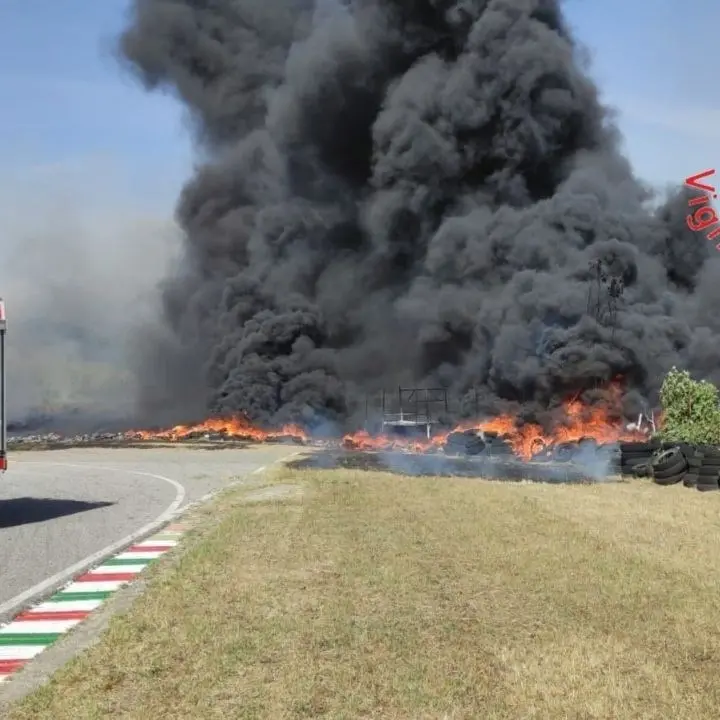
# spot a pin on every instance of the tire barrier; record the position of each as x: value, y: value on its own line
x: 696, y: 466
x: 469, y: 442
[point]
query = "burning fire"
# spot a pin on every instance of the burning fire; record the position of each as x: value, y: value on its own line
x: 363, y: 440
x: 238, y: 427
x: 527, y: 440
x: 581, y: 422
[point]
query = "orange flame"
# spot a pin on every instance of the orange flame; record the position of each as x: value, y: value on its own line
x: 237, y: 427
x: 581, y: 421
x: 599, y: 422
x: 363, y: 440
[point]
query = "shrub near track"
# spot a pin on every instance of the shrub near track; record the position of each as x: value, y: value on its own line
x: 691, y: 412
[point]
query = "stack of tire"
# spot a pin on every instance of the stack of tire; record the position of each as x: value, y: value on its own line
x: 564, y: 452
x: 474, y: 442
x: 467, y: 442
x: 497, y: 446
x: 696, y: 466
x: 669, y: 466
x: 706, y: 469
x: 613, y: 454
x: 635, y: 457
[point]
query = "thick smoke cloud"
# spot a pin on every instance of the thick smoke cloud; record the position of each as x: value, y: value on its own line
x: 79, y: 274
x: 408, y: 192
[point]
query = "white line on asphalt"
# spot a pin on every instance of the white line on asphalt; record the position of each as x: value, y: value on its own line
x: 64, y: 575
x: 56, y: 581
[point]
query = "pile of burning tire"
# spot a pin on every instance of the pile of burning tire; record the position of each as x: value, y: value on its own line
x: 696, y: 466
x: 491, y: 444
x: 473, y: 442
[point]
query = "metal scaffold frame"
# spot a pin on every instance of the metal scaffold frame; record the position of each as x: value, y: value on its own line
x: 412, y: 407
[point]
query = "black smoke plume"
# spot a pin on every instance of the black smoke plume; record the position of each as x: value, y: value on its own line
x: 408, y: 192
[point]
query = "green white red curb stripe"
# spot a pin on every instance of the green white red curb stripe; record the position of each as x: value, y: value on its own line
x: 30, y: 632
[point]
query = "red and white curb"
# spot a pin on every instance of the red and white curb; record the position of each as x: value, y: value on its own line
x: 30, y: 632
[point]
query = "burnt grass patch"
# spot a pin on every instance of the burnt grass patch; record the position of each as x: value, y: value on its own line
x: 418, y: 464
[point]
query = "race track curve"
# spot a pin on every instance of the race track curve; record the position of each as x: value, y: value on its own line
x: 61, y: 508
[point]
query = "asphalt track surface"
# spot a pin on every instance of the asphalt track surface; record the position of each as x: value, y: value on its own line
x: 60, y: 508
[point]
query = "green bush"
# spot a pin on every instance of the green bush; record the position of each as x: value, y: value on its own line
x: 691, y: 412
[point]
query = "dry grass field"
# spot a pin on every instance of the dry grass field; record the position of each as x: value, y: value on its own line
x: 368, y: 595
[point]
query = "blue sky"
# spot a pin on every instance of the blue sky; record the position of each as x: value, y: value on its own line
x: 65, y: 103
x: 652, y: 60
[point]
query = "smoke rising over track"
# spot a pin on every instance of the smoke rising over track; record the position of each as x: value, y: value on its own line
x: 80, y: 266
x: 407, y: 192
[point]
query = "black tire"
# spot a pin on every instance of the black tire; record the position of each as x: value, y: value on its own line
x: 666, y: 469
x: 564, y: 452
x: 705, y: 471
x: 690, y: 452
x: 710, y: 451
x: 455, y: 444
x: 670, y: 458
x: 690, y: 480
x: 629, y: 462
x: 456, y: 440
x: 456, y: 437
x: 641, y: 470
x: 667, y: 454
x: 635, y: 455
x: 637, y: 447
x: 474, y: 446
x: 707, y: 487
x: 496, y: 448
x: 711, y: 462
x: 679, y: 467
x: 671, y: 480
x: 628, y: 467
